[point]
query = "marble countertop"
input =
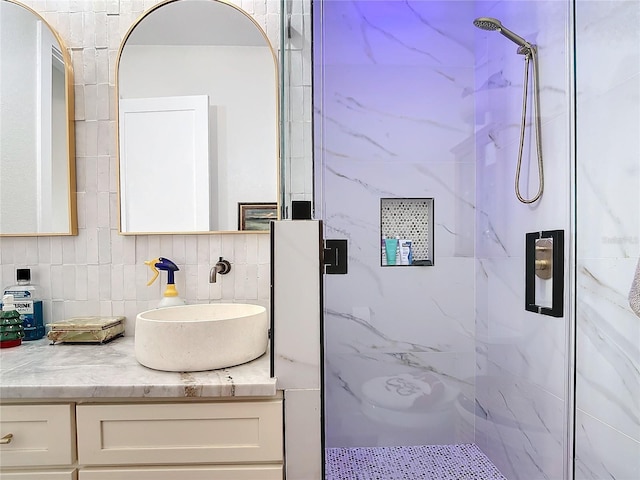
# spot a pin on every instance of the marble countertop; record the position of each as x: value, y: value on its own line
x: 39, y: 370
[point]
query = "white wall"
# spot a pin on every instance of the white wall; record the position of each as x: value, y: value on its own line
x: 100, y: 272
x: 608, y: 219
x: 60, y: 157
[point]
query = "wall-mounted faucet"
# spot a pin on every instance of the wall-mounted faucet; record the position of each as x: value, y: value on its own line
x: 222, y: 267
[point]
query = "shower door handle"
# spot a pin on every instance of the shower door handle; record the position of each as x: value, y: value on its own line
x: 544, y: 259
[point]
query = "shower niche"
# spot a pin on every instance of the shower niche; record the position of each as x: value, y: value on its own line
x: 406, y: 232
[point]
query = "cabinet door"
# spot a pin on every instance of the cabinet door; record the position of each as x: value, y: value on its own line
x: 161, y: 434
x: 40, y: 475
x: 227, y: 472
x: 42, y: 435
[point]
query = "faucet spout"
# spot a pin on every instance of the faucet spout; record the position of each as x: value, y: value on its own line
x: 222, y: 267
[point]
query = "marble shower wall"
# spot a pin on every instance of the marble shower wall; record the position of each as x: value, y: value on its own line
x: 100, y: 272
x: 608, y: 183
x: 394, y: 118
x: 522, y: 362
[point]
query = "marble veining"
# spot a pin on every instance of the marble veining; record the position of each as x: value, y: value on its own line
x: 393, y: 120
x: 607, y: 442
x: 521, y: 363
x: 40, y: 370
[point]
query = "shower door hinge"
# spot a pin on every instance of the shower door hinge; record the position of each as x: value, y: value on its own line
x: 335, y: 257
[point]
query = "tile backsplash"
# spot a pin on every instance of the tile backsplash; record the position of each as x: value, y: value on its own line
x: 99, y: 271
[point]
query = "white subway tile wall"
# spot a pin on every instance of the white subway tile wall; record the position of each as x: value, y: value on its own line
x: 298, y: 106
x: 99, y: 271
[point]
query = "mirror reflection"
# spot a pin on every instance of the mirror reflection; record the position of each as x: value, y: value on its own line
x: 198, y: 120
x: 37, y: 164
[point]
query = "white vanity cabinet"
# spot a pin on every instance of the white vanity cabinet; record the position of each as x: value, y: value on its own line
x: 39, y: 441
x: 240, y: 438
x: 62, y: 474
x: 210, y: 472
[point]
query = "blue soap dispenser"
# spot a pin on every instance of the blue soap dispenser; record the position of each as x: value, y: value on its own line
x: 170, y: 297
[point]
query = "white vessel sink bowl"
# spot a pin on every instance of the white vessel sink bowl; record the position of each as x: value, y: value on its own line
x: 192, y: 338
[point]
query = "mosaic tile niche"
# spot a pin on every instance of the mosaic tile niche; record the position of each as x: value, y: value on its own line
x: 411, y: 219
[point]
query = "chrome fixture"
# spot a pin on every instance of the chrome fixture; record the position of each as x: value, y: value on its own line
x: 544, y: 258
x: 488, y: 23
x: 222, y: 267
x: 530, y: 53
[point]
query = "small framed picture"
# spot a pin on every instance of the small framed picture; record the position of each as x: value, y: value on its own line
x: 256, y: 216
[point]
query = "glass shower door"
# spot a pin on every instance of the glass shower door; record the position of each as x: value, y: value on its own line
x: 399, y: 344
x: 412, y: 102
x: 607, y: 415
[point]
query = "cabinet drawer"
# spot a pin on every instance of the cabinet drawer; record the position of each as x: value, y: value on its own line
x: 226, y: 472
x: 42, y: 435
x: 69, y: 474
x: 134, y: 434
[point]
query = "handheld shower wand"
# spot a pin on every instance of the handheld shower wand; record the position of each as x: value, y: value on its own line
x: 488, y: 23
x: 530, y: 53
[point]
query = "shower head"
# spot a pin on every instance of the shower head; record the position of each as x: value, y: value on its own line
x: 487, y: 23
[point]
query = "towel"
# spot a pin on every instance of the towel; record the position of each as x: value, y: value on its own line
x: 634, y: 293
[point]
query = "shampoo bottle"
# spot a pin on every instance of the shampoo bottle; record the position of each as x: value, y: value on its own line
x: 28, y: 304
x: 170, y: 297
x: 391, y: 245
x: 11, y: 329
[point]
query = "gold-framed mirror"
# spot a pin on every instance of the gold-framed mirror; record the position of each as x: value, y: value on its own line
x: 198, y: 120
x: 37, y: 145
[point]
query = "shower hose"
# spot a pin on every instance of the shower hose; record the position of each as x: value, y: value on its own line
x: 530, y: 55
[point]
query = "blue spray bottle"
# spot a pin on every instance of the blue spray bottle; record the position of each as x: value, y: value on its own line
x: 170, y: 297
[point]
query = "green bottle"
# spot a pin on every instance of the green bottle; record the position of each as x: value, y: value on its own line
x: 11, y: 329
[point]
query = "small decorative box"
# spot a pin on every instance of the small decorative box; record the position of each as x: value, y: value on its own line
x: 86, y: 330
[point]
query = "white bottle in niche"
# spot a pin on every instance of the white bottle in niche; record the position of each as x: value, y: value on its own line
x: 406, y: 256
x: 398, y: 254
x: 383, y: 251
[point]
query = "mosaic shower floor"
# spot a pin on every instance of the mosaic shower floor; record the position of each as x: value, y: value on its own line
x: 433, y: 462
